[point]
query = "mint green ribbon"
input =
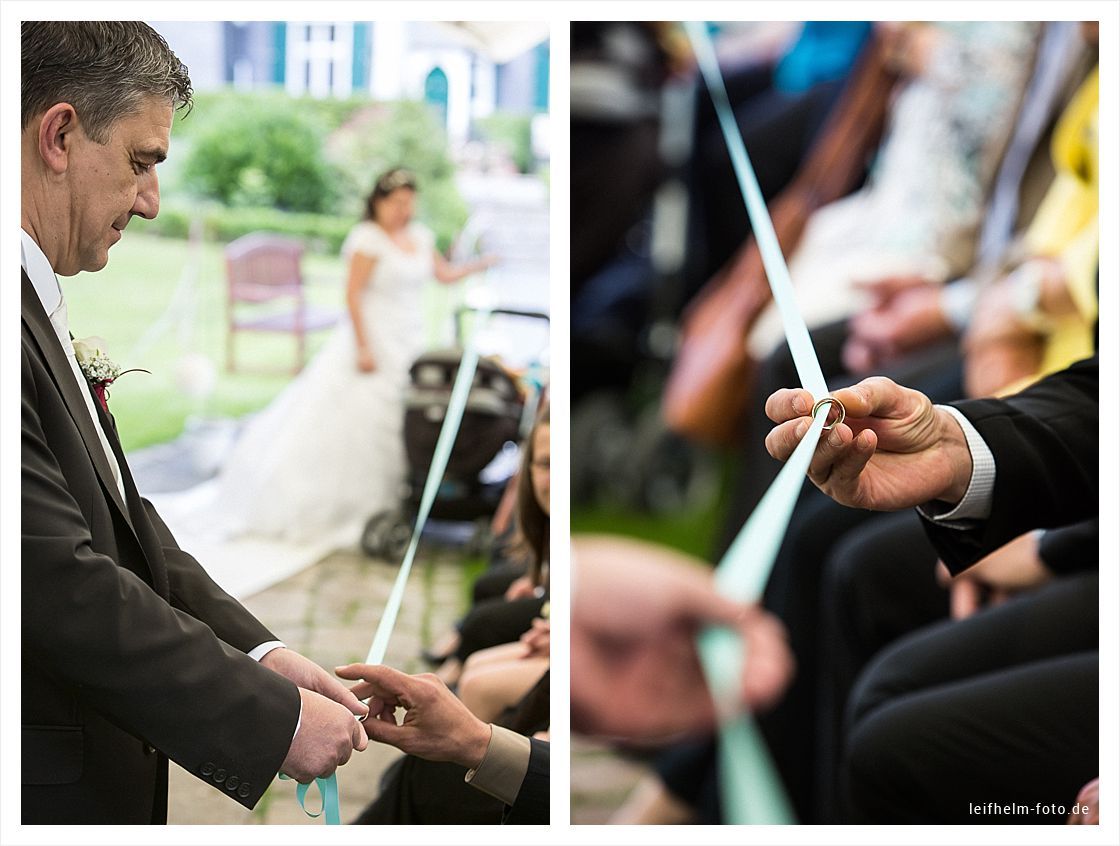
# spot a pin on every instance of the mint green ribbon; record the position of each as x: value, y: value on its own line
x: 328, y: 791
x: 456, y: 405
x: 750, y: 788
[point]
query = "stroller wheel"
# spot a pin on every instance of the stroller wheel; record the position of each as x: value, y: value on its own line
x: 386, y: 535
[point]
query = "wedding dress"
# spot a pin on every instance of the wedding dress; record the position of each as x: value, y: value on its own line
x: 328, y: 451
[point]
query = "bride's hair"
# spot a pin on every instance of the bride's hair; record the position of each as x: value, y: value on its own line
x: 386, y: 184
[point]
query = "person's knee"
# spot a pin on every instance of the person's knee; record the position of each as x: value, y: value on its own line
x: 882, y: 680
x: 878, y: 766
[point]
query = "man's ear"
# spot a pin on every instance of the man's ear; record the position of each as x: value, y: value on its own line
x: 56, y: 128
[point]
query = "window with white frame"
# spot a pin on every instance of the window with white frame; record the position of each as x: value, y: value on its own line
x: 319, y: 58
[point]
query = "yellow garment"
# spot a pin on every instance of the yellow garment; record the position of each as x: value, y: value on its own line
x: 1066, y: 228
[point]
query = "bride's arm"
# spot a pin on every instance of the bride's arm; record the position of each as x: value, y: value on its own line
x: 361, y: 267
x: 447, y: 273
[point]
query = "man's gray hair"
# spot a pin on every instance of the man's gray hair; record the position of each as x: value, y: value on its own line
x: 104, y: 69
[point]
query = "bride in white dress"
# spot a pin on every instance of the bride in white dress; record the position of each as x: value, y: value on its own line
x: 328, y: 452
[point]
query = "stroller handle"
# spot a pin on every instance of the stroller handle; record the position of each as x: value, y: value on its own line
x: 462, y: 310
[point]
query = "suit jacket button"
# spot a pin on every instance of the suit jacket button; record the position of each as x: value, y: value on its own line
x: 207, y: 769
x: 231, y: 783
x: 244, y: 790
x: 219, y: 776
x: 149, y: 749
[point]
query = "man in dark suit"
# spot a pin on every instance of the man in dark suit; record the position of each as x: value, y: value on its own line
x: 1004, y: 704
x: 130, y: 653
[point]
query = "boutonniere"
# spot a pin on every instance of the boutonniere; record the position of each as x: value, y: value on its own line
x: 100, y: 370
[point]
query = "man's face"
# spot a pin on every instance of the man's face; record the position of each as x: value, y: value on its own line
x: 111, y: 182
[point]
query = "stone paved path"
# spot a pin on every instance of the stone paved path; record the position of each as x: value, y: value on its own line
x: 329, y: 613
x: 601, y: 780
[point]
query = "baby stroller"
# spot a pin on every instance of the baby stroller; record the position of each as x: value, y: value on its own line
x: 491, y: 425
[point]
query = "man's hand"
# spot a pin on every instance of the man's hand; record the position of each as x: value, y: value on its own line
x: 328, y: 734
x: 310, y: 676
x: 436, y: 726
x: 894, y: 451
x: 1014, y: 567
x: 635, y: 669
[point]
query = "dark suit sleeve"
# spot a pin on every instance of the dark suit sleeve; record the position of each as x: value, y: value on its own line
x: 1071, y: 549
x: 531, y: 805
x: 193, y: 591
x: 152, y: 669
x: 1044, y: 441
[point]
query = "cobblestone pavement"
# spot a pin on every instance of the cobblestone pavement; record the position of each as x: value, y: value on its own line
x: 601, y: 781
x: 329, y: 612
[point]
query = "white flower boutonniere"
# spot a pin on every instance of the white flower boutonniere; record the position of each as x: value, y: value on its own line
x: 100, y: 370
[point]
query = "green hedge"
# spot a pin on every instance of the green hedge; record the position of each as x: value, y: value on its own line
x: 512, y: 131
x: 263, y: 152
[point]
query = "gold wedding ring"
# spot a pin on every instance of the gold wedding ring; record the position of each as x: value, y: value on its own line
x: 824, y: 401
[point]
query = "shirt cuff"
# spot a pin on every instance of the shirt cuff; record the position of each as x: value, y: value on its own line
x: 259, y: 652
x: 503, y: 767
x: 976, y: 504
x: 957, y: 300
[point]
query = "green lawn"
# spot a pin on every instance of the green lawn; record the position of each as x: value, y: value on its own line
x: 692, y: 531
x: 134, y: 294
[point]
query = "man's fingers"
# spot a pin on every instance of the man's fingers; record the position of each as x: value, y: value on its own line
x: 964, y: 599
x: 788, y: 403
x: 334, y: 689
x: 358, y: 738
x: 876, y: 396
x: 383, y: 681
x: 385, y: 731
x: 944, y: 577
x: 783, y: 439
x: 848, y: 461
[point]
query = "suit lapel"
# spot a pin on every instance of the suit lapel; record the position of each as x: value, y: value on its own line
x: 41, y: 329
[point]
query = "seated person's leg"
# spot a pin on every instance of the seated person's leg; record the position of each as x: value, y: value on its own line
x: 492, y: 687
x: 1025, y: 735
x: 999, y: 707
x: 879, y: 584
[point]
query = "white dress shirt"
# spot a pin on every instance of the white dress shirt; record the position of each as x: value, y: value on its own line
x: 976, y: 504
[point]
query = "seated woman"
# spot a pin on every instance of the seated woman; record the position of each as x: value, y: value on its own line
x: 497, y: 678
x: 507, y: 685
x: 504, y: 619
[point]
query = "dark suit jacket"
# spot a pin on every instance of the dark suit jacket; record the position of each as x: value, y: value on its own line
x: 1071, y: 549
x: 130, y: 653
x: 1046, y: 450
x: 531, y: 805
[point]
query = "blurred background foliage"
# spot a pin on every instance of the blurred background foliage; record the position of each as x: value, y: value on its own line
x: 246, y: 161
